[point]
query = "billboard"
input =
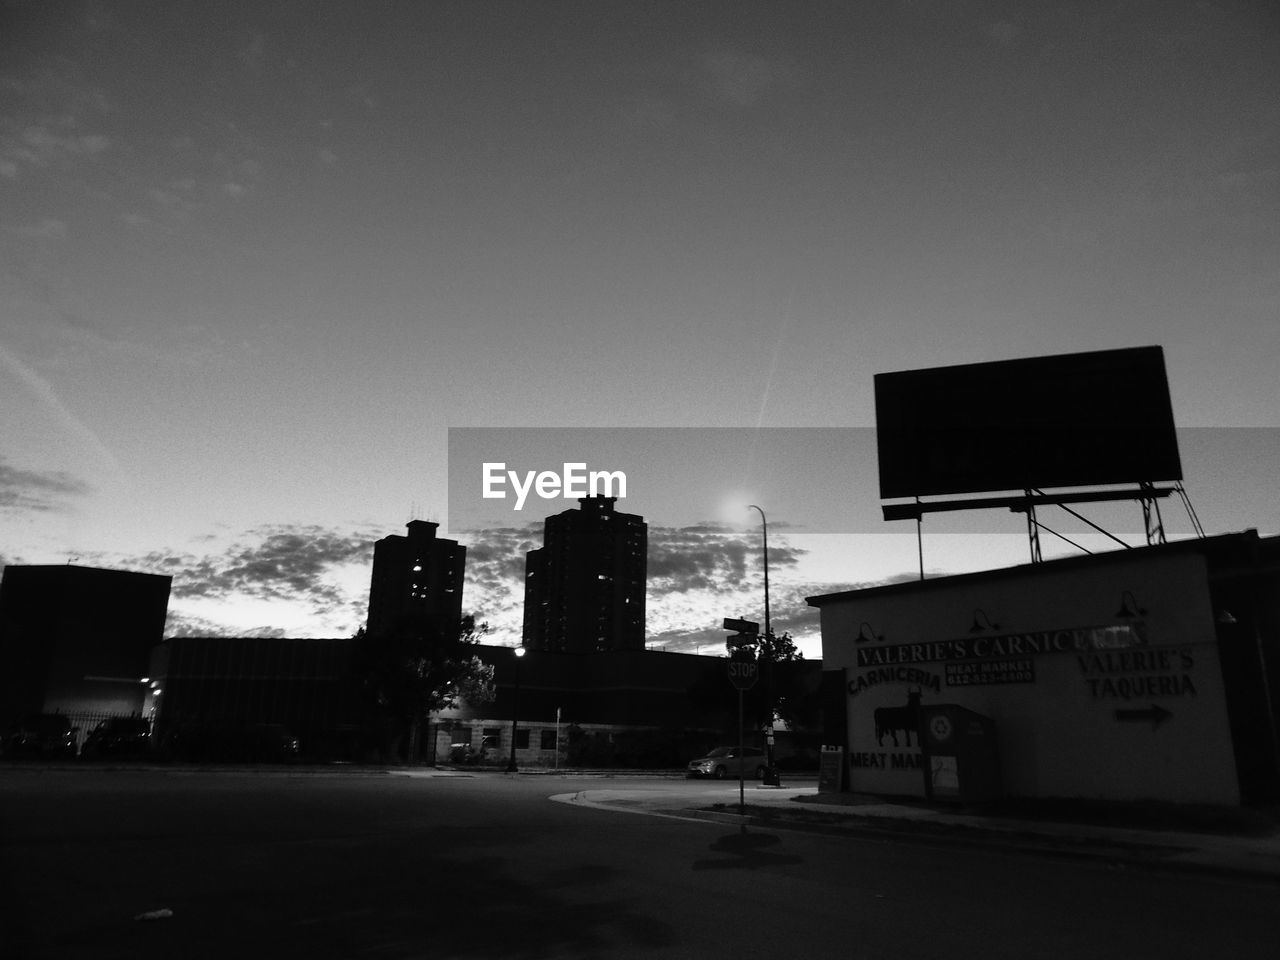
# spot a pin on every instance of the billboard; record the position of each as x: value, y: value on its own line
x: 1073, y: 420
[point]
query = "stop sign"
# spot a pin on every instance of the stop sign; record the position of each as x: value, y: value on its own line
x: 743, y: 673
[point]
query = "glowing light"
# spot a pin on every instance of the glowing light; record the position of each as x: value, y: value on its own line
x: 733, y: 508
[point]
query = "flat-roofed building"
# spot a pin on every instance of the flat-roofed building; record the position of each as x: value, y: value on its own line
x: 78, y: 640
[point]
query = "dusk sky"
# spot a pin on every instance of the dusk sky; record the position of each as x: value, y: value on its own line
x: 257, y: 258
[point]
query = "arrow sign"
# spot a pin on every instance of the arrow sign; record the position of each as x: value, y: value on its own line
x: 743, y: 673
x: 1155, y: 714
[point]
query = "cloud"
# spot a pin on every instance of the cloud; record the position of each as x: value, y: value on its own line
x: 49, y: 143
x: 47, y: 229
x: 696, y: 576
x: 742, y: 79
x: 1003, y: 32
x: 272, y: 563
x: 496, y: 556
x: 711, y: 557
x: 187, y: 625
x: 253, y: 54
x: 175, y: 199
x: 37, y: 490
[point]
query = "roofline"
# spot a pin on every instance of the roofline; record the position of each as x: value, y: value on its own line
x: 1193, y: 545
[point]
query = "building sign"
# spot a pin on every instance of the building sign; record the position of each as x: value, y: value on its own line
x: 1081, y: 701
x: 1111, y: 637
x: 1158, y: 672
x: 1114, y: 661
x: 924, y: 679
x: 970, y: 674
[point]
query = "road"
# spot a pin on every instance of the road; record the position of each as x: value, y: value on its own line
x: 349, y: 865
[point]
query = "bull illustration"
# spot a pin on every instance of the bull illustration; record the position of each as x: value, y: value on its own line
x: 889, y: 720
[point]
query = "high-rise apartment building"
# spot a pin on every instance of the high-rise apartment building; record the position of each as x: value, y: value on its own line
x: 416, y: 588
x: 585, y: 587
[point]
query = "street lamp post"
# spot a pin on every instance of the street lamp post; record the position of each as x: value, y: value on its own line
x: 771, y: 773
x: 515, y: 711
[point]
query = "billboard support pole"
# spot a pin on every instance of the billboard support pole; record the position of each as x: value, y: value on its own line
x: 1033, y: 529
x: 1150, y: 508
x: 920, y: 537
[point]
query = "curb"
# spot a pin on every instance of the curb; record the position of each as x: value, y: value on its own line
x: 1155, y: 857
x: 1117, y: 854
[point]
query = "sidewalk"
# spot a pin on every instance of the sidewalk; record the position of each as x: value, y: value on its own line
x: 803, y: 808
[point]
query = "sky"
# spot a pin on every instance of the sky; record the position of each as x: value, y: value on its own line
x: 259, y: 259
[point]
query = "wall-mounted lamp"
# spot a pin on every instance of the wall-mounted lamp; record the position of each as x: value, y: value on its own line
x: 867, y: 633
x: 982, y: 622
x: 1226, y: 617
x: 1129, y: 607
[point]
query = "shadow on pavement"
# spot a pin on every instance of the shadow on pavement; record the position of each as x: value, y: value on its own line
x: 745, y: 850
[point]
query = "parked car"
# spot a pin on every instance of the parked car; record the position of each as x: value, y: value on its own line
x: 466, y: 753
x: 40, y: 735
x: 271, y: 742
x: 727, y: 762
x: 232, y: 743
x: 118, y: 737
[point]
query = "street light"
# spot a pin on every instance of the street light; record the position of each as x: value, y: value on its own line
x: 771, y: 773
x: 515, y: 711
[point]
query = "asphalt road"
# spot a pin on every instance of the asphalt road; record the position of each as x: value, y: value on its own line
x: 327, y: 866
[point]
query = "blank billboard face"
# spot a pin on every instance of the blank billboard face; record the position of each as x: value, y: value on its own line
x: 1075, y: 420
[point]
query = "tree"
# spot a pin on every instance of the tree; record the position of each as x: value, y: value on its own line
x: 772, y: 652
x: 410, y: 674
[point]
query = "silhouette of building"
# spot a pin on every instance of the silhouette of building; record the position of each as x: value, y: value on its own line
x: 217, y: 689
x: 78, y: 640
x: 585, y: 587
x: 416, y: 588
x: 1141, y: 674
x: 636, y: 708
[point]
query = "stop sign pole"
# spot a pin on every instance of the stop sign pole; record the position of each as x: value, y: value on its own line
x: 743, y: 674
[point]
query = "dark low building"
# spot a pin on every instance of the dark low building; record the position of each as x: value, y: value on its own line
x: 78, y: 640
x: 624, y: 708
x: 213, y: 688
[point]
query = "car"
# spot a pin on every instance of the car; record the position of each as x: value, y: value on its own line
x: 728, y: 762
x: 466, y: 753
x: 231, y: 743
x: 118, y: 737
x: 271, y: 742
x: 40, y: 735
